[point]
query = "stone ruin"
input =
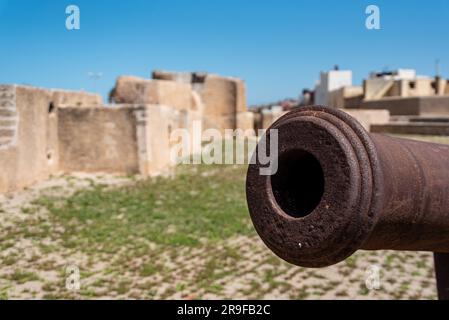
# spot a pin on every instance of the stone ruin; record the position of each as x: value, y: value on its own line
x: 45, y: 132
x: 219, y: 101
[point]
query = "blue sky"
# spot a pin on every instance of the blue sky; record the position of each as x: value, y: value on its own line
x: 277, y: 46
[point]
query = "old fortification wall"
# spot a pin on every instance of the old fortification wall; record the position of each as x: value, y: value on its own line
x: 435, y: 105
x: 223, y: 98
x: 98, y: 139
x: 45, y: 132
x: 29, y: 132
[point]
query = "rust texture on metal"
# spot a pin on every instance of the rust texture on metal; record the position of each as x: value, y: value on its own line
x: 339, y: 189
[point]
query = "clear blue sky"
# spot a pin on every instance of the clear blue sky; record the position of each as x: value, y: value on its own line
x: 277, y: 46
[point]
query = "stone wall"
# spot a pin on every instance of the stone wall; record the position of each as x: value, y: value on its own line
x: 125, y: 139
x: 135, y: 90
x: 44, y: 132
x: 8, y: 116
x: 76, y: 98
x: 29, y: 152
x: 369, y: 118
x: 269, y: 116
x: 339, y: 98
x: 98, y: 139
x: 436, y: 105
x: 30, y: 133
x: 223, y: 98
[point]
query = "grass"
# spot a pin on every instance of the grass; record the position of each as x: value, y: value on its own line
x: 4, y: 293
x: 21, y: 276
x: 148, y: 270
x: 176, y: 212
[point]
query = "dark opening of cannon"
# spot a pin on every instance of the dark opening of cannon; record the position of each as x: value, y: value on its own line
x: 298, y: 184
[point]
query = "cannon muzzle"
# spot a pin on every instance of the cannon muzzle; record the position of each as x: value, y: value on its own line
x: 338, y: 189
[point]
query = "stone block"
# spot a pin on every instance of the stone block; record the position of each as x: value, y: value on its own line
x: 222, y: 96
x: 76, y: 98
x: 134, y: 90
x: 98, y: 140
x: 368, y: 118
x: 270, y: 116
x: 245, y: 120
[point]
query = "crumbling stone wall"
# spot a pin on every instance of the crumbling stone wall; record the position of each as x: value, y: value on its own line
x: 135, y: 90
x: 98, y: 139
x: 269, y: 116
x: 223, y: 98
x: 435, y: 105
x: 29, y: 134
x: 8, y: 117
x: 30, y: 152
x: 76, y: 98
x: 44, y: 132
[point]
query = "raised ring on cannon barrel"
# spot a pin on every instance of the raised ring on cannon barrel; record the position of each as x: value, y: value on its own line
x: 339, y: 189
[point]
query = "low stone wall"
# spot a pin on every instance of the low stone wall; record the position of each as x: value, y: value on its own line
x: 270, y: 116
x: 368, y: 118
x: 438, y: 105
x: 76, y: 98
x: 123, y: 139
x: 433, y: 129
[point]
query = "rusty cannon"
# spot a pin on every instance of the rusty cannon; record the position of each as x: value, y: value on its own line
x: 338, y: 189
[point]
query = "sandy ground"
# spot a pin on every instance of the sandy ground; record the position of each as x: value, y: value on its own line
x: 34, y: 267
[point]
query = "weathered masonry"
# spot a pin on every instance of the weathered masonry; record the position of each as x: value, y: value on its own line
x: 45, y: 132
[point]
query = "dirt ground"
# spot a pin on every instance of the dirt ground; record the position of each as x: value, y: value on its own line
x: 34, y: 261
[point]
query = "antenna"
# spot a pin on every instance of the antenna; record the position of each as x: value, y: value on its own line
x: 95, y: 76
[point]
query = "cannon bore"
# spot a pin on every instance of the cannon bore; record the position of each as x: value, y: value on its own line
x: 339, y: 189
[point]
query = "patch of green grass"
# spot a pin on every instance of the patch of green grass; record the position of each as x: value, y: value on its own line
x: 420, y: 264
x: 10, y: 260
x: 148, y: 270
x: 22, y: 276
x: 302, y: 294
x: 4, y: 293
x: 123, y: 287
x: 364, y: 291
x: 29, y: 210
x: 215, y: 288
x: 202, y: 202
x: 351, y: 262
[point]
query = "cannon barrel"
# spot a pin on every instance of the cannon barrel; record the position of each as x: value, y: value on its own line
x: 338, y: 189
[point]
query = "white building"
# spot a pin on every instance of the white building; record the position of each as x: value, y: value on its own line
x: 399, y: 74
x: 330, y: 81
